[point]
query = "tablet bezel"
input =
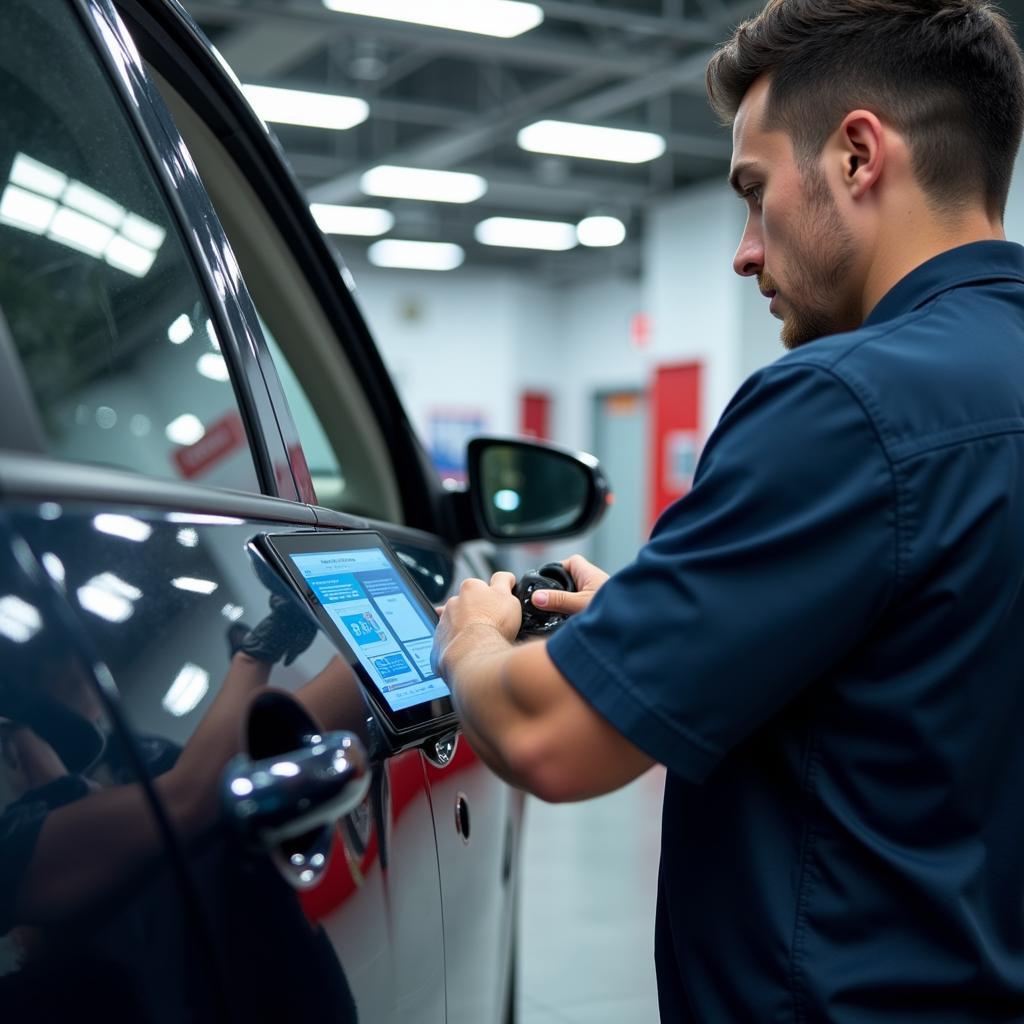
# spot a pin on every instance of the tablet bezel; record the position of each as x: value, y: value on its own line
x: 419, y: 720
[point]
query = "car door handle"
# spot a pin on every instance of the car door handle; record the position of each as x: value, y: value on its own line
x: 284, y: 796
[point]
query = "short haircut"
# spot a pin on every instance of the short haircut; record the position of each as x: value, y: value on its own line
x: 946, y: 74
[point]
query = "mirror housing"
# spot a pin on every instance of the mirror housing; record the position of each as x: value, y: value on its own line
x: 528, y: 490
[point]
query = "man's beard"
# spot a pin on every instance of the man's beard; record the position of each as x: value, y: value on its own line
x: 820, y: 261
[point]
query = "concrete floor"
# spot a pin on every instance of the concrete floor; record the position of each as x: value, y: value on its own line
x: 589, y: 879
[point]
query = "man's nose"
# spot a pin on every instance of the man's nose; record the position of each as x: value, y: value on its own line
x: 749, y: 258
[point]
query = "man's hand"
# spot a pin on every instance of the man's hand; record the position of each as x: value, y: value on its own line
x: 589, y: 579
x: 478, y: 606
x: 517, y: 711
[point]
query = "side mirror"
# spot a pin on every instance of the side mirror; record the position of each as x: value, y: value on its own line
x: 531, y: 490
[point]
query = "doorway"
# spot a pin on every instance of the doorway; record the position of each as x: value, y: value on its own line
x: 620, y: 442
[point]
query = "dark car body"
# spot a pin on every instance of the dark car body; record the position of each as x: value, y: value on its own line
x: 165, y: 396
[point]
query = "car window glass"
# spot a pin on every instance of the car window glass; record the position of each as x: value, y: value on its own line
x: 103, y: 305
x: 324, y: 468
x: 338, y: 427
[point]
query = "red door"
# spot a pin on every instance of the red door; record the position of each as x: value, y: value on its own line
x: 676, y: 439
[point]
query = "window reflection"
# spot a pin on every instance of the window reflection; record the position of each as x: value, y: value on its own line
x: 106, y: 312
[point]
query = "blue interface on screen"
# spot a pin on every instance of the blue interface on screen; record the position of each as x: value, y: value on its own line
x: 387, y: 630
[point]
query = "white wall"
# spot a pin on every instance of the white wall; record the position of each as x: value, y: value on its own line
x: 451, y: 340
x: 476, y: 338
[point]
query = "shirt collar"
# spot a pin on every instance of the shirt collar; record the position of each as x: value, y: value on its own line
x: 967, y: 264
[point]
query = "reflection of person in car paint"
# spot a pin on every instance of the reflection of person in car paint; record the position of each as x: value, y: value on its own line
x: 79, y: 843
x: 111, y: 829
x: 69, y: 797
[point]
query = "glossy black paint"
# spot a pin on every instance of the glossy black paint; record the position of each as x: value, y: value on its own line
x: 121, y: 599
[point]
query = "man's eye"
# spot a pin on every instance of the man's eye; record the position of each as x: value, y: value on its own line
x: 754, y: 194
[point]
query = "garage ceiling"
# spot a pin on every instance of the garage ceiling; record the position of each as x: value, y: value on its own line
x: 451, y: 100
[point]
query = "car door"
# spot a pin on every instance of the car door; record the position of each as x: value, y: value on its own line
x: 348, y: 421
x: 142, y: 447
x: 95, y: 908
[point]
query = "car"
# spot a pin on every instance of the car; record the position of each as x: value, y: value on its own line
x: 205, y: 813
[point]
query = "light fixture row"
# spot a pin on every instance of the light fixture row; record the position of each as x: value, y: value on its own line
x: 503, y: 19
x: 557, y: 138
x: 500, y: 18
x: 510, y: 232
x: 507, y: 232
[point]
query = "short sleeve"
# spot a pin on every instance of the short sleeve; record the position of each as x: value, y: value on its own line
x: 765, y: 576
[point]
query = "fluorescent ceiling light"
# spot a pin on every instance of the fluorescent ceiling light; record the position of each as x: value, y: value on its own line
x: 115, y: 585
x: 519, y: 233
x: 127, y: 527
x: 143, y: 232
x: 311, y: 109
x: 26, y: 210
x: 196, y: 586
x: 591, y: 142
x: 190, y: 686
x: 415, y: 183
x: 129, y: 257
x: 188, y: 537
x: 507, y: 500
x: 202, y: 519
x: 54, y: 568
x: 502, y: 18
x: 96, y: 205
x: 38, y: 177
x: 78, y: 231
x: 109, y: 597
x: 232, y: 612
x: 399, y: 254
x: 19, y: 620
x: 185, y: 429
x: 599, y: 232
x: 212, y: 365
x: 351, y: 220
x: 180, y: 331
x: 42, y: 200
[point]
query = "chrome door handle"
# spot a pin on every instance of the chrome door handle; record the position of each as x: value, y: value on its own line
x: 284, y: 796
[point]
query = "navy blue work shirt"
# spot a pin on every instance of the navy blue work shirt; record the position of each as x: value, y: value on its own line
x: 824, y: 644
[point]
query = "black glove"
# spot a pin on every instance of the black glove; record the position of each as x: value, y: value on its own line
x: 285, y: 633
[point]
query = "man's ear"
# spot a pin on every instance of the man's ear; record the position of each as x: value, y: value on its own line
x: 861, y: 142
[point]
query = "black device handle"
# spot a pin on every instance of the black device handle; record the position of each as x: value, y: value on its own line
x: 537, y: 621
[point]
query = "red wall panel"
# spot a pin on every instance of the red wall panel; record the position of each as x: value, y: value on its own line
x: 676, y: 439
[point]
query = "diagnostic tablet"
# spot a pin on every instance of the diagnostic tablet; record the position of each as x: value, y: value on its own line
x: 365, y: 598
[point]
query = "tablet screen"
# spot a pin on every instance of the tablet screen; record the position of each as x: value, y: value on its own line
x: 379, y: 619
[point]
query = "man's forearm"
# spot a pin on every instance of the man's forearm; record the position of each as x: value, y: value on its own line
x: 475, y: 665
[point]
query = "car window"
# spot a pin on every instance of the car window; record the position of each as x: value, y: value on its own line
x: 105, y: 311
x: 324, y: 468
x: 338, y: 427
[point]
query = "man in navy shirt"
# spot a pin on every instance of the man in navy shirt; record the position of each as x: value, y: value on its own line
x: 824, y: 641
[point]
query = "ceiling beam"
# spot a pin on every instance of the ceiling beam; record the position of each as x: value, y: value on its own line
x: 507, y: 188
x: 436, y: 115
x: 260, y: 49
x: 322, y: 26
x: 459, y: 145
x: 678, y: 29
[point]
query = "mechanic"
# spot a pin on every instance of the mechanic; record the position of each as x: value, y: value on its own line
x: 823, y: 642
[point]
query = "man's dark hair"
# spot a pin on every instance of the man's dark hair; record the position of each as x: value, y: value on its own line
x: 947, y: 74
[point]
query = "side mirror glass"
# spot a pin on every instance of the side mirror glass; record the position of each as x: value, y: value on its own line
x: 531, y: 490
